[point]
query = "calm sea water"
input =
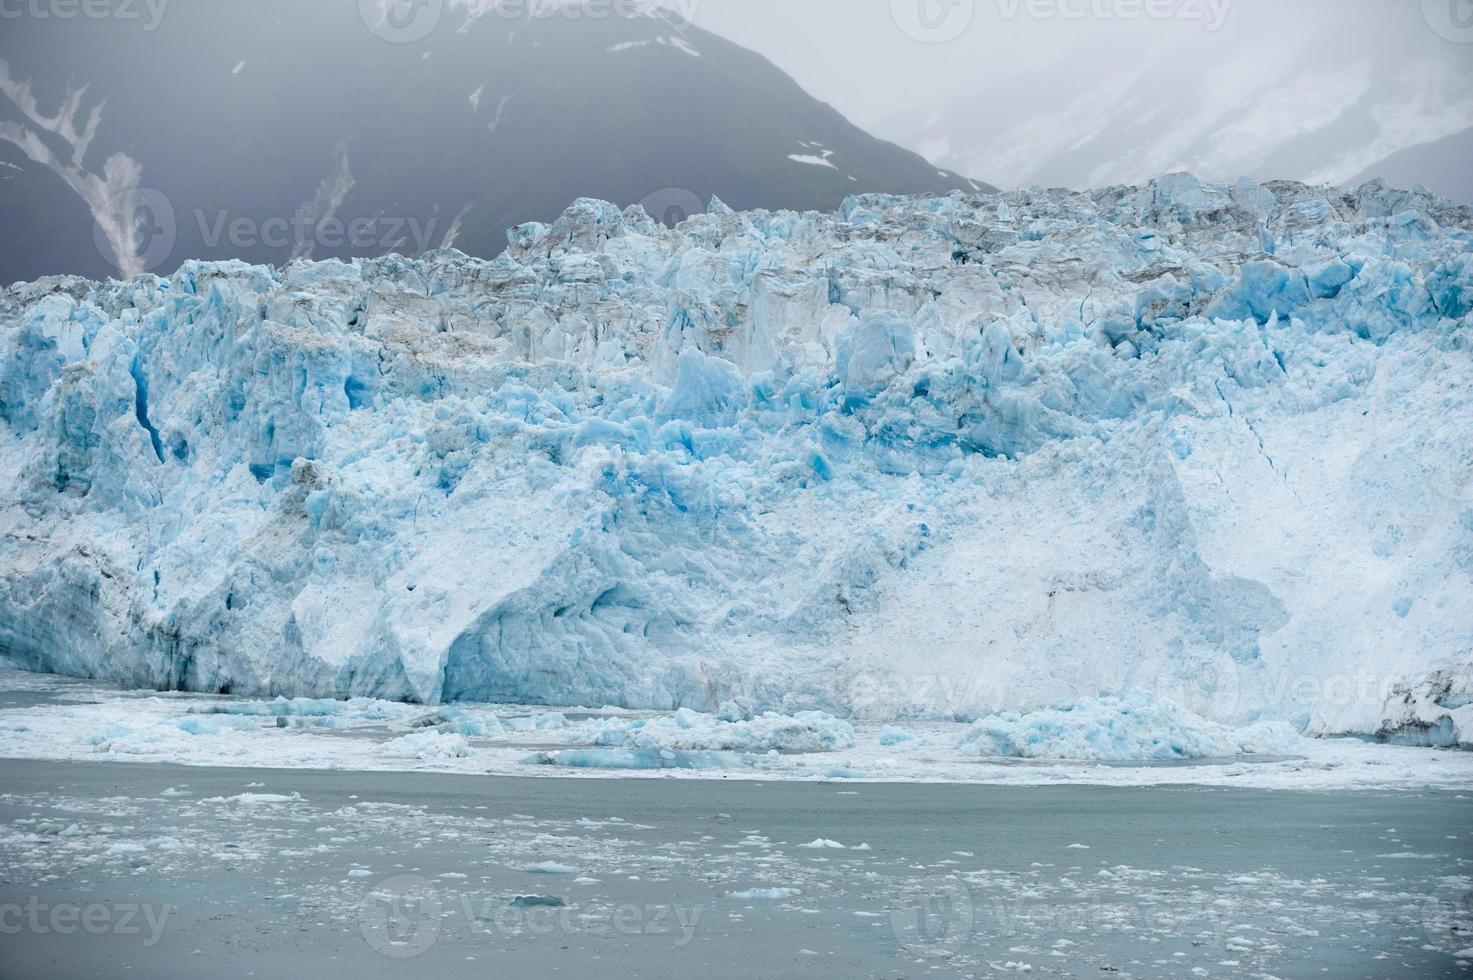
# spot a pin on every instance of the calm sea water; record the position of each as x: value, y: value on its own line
x: 274, y: 873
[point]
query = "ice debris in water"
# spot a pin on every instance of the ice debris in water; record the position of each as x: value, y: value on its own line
x: 636, y: 759
x: 429, y: 745
x: 919, y: 458
x: 1135, y: 727
x: 890, y: 735
x: 806, y: 731
x: 765, y: 893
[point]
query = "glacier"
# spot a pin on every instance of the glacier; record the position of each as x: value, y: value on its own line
x: 921, y: 458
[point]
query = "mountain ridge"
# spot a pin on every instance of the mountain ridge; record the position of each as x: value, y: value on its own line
x: 449, y: 140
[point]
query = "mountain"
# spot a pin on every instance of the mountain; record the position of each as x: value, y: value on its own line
x: 1443, y: 166
x: 1317, y: 102
x: 277, y: 129
x: 925, y: 456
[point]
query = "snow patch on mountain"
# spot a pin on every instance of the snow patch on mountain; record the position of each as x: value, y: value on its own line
x: 814, y: 159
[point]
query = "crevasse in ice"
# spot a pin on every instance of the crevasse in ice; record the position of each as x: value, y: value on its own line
x: 922, y: 457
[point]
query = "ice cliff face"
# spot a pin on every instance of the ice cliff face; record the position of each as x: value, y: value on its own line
x: 923, y: 456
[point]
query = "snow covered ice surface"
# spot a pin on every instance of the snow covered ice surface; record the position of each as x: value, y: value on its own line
x: 1133, y: 741
x: 1136, y: 727
x: 925, y: 460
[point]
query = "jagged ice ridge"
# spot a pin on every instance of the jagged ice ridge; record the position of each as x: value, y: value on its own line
x: 923, y: 457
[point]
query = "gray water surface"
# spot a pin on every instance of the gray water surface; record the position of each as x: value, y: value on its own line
x: 389, y: 875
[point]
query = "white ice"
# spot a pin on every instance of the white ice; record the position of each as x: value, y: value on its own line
x: 922, y: 459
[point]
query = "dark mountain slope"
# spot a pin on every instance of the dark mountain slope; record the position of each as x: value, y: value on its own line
x: 278, y: 128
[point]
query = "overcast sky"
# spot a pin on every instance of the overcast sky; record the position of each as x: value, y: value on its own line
x: 859, y: 56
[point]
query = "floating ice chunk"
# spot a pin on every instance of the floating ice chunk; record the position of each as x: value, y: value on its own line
x: 1136, y: 727
x: 549, y: 868
x: 429, y: 745
x: 633, y: 759
x: 823, y: 843
x: 765, y: 893
x: 734, y: 711
x: 255, y: 799
x: 460, y: 722
x: 277, y: 708
x: 889, y: 735
x: 806, y: 731
x: 205, y: 725
x: 545, y: 722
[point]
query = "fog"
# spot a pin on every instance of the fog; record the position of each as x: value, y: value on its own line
x: 1085, y: 92
x: 858, y: 56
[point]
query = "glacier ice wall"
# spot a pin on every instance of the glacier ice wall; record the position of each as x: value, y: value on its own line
x: 925, y: 456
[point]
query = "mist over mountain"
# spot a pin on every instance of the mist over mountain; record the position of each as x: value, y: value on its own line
x: 1284, y: 92
x: 277, y: 129
x: 1444, y: 166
